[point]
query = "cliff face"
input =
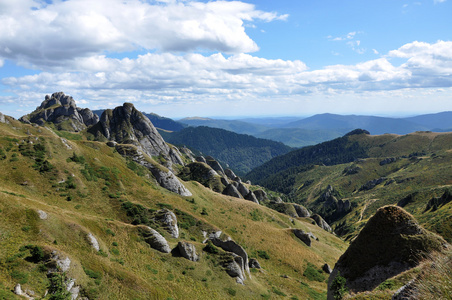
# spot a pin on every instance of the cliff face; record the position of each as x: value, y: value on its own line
x: 61, y: 110
x: 390, y: 243
x: 126, y: 125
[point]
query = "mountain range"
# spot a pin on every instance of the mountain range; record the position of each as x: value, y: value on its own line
x: 103, y: 207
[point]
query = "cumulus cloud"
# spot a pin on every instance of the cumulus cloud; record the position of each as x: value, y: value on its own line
x: 157, y: 78
x: 35, y: 33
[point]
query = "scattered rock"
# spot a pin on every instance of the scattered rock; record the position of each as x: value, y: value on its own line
x: 188, y: 251
x: 169, y: 221
x: 302, y: 212
x: 234, y: 267
x: 93, y: 241
x: 303, y: 236
x: 254, y: 263
x: 327, y: 269
x: 42, y: 215
x: 231, y: 246
x: 155, y: 239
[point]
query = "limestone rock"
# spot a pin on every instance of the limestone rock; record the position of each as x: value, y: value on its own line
x: 169, y: 221
x: 93, y: 241
x: 391, y: 242
x: 61, y: 109
x: 231, y: 246
x: 214, y: 165
x: 42, y: 215
x: 232, y: 191
x: 188, y: 251
x: 165, y: 178
x: 327, y: 269
x: 254, y: 263
x: 302, y: 212
x: 251, y: 197
x: 203, y: 174
x: 261, y: 195
x: 201, y: 159
x: 243, y: 190
x: 126, y: 125
x: 303, y: 236
x: 155, y: 240
x: 234, y: 267
x: 321, y: 223
x: 231, y: 175
x: 2, y: 118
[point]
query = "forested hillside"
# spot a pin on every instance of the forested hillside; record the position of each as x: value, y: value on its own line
x: 241, y: 152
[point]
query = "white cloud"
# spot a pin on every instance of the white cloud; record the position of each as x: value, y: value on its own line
x: 170, y: 79
x: 49, y: 35
x: 439, y: 1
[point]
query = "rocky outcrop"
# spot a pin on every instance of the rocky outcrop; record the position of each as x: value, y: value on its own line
x: 321, y: 223
x: 61, y: 110
x: 164, y: 177
x: 251, y: 197
x: 232, y: 191
x: 126, y: 125
x: 261, y: 195
x: 231, y: 246
x: 169, y: 221
x: 155, y: 239
x: 254, y: 264
x: 372, y: 184
x: 305, y: 237
x: 204, y: 174
x: 390, y: 243
x: 214, y: 165
x: 231, y: 175
x: 93, y: 241
x: 42, y: 214
x: 234, y: 266
x: 2, y: 118
x: 188, y: 251
x: 327, y: 269
x: 243, y: 190
x: 302, y: 212
x: 436, y: 202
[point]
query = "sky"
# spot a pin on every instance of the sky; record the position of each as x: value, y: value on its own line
x: 181, y: 58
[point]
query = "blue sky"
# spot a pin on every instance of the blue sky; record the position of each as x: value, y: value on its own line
x: 229, y: 58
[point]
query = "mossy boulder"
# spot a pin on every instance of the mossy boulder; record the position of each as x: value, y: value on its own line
x: 391, y: 242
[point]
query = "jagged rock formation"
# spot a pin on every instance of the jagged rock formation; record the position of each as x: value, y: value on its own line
x: 164, y: 177
x: 321, y: 223
x: 169, y: 221
x: 214, y: 165
x: 234, y: 266
x: 188, y: 251
x: 261, y: 195
x: 252, y: 197
x: 126, y: 125
x: 390, y: 243
x: 204, y: 174
x: 305, y: 237
x: 231, y: 246
x: 254, y: 263
x: 232, y: 191
x: 371, y: 184
x: 155, y: 239
x: 61, y: 110
x: 436, y: 202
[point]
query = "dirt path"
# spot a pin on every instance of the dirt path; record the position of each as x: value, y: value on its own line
x: 369, y: 202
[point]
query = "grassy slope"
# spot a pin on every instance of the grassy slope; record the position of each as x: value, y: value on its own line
x: 425, y: 177
x: 132, y: 269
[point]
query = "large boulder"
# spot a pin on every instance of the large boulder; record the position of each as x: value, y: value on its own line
x: 188, y: 251
x: 155, y: 239
x: 321, y: 222
x: 261, y: 195
x: 214, y: 165
x: 251, y: 197
x: 232, y: 191
x: 61, y: 110
x: 169, y: 221
x: 231, y: 246
x: 243, y: 190
x: 234, y: 266
x: 302, y: 212
x: 254, y: 263
x: 303, y: 236
x: 391, y: 242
